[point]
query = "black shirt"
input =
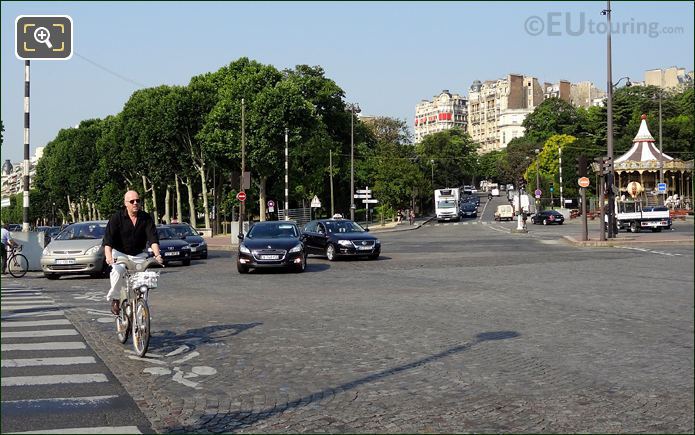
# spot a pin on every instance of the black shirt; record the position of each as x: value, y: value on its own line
x: 122, y: 236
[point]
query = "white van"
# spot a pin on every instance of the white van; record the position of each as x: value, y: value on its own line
x: 504, y: 212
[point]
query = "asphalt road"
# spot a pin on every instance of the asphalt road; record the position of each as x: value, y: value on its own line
x: 456, y: 328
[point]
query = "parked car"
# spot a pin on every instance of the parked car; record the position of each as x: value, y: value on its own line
x: 172, y: 247
x: 14, y: 227
x: 504, y: 212
x: 76, y: 250
x: 468, y: 209
x: 199, y: 247
x: 271, y: 244
x: 547, y: 217
x: 340, y: 237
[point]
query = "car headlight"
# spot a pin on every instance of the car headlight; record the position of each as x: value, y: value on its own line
x: 344, y: 243
x: 93, y: 250
x: 297, y: 248
x: 186, y: 247
x: 377, y: 242
x: 45, y: 251
x: 244, y: 249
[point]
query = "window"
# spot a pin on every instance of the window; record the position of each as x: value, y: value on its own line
x: 311, y: 227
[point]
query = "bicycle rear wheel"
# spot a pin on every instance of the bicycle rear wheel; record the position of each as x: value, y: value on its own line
x: 141, y: 327
x: 123, y: 323
x: 18, y: 265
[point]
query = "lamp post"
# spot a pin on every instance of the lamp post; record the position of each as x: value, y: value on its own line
x: 432, y: 163
x: 287, y: 176
x: 661, y: 152
x: 354, y: 108
x: 609, y: 137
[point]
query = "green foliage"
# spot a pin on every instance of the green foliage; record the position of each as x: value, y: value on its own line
x: 451, y: 154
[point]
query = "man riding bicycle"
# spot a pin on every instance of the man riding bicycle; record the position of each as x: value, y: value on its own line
x: 127, y: 233
x: 7, y: 244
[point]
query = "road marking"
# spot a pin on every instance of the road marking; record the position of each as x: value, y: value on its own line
x: 33, y: 314
x: 27, y: 299
x: 57, y: 361
x: 45, y: 333
x: 6, y: 296
x: 16, y: 324
x: 16, y: 381
x: 6, y: 307
x: 51, y: 345
x: 649, y: 251
x: 24, y: 302
x: 87, y: 430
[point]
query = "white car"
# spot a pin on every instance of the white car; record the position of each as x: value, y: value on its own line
x: 495, y: 192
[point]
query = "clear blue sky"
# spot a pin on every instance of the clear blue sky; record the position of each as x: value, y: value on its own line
x: 386, y: 56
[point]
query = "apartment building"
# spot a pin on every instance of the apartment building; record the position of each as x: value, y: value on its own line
x: 13, y: 174
x: 673, y: 78
x: 497, y: 108
x: 585, y: 94
x: 444, y: 112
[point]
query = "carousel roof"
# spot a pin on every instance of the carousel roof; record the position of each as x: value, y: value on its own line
x: 643, y: 148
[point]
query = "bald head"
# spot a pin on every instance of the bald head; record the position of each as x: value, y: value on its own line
x: 131, y: 200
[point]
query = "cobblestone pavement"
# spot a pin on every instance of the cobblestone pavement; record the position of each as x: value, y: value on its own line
x: 454, y: 329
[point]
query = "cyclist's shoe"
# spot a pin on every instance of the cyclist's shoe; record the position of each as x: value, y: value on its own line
x: 115, y: 308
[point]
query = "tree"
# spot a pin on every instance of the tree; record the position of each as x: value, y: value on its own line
x: 553, y: 116
x: 452, y: 155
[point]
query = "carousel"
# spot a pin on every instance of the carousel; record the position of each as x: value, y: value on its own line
x: 641, y: 164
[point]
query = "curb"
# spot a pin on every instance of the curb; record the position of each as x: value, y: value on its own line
x: 623, y: 241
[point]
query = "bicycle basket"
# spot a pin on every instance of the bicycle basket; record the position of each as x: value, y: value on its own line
x: 147, y: 278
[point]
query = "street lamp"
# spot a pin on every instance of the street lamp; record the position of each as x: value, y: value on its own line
x: 538, y: 179
x: 432, y: 163
x: 354, y: 108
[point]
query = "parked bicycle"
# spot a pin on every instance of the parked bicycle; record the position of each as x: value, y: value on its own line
x: 17, y: 264
x: 134, y: 317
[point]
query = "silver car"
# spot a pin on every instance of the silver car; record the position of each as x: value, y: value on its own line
x: 76, y: 250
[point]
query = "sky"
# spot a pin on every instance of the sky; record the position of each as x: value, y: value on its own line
x: 386, y: 56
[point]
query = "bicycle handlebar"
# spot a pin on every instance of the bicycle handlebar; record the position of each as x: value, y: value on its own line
x: 137, y: 266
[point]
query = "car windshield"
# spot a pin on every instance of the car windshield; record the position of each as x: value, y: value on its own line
x: 82, y: 231
x: 184, y: 230
x: 166, y: 233
x: 273, y: 231
x: 343, y: 226
x: 445, y: 204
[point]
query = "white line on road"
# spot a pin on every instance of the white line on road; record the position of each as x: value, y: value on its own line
x: 6, y: 307
x: 51, y: 345
x: 53, y: 361
x: 16, y: 324
x: 81, y: 430
x: 6, y: 299
x: 15, y: 381
x: 88, y: 400
x: 34, y: 314
x: 45, y: 333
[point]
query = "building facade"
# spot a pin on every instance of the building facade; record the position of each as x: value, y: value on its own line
x: 13, y: 174
x: 674, y: 78
x: 444, y: 112
x: 497, y: 108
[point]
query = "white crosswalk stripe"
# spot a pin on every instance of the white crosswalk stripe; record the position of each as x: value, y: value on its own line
x: 53, y: 366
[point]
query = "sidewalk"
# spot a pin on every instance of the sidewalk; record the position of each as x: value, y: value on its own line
x: 227, y: 242
x: 665, y: 237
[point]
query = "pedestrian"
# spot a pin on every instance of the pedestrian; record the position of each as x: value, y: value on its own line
x: 399, y: 216
x: 7, y: 244
x: 411, y: 217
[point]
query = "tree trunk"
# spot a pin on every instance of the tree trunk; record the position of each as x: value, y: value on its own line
x: 178, y: 215
x: 191, y: 202
x: 167, y: 211
x: 144, y: 193
x: 261, y: 199
x: 201, y: 171
x: 71, y: 210
x: 155, y: 211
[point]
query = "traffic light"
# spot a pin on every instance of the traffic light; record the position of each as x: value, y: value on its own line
x: 582, y: 166
x: 552, y: 188
x: 607, y: 165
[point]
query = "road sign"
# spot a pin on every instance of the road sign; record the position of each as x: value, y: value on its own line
x: 271, y: 203
x: 315, y: 203
x: 241, y: 196
x: 370, y: 201
x: 583, y: 182
x: 364, y: 191
x: 363, y: 195
x: 538, y: 193
x: 662, y: 187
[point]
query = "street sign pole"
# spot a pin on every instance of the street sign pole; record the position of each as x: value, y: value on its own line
x: 585, y: 227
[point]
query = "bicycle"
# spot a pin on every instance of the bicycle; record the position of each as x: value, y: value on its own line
x: 17, y: 264
x: 134, y: 316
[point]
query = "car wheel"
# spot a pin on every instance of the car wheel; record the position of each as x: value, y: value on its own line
x: 330, y: 252
x: 51, y: 275
x: 241, y: 268
x: 545, y: 221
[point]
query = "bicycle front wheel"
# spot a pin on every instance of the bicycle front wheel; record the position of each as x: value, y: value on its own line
x: 18, y: 265
x: 141, y: 328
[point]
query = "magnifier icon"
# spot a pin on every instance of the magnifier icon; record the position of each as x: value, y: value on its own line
x: 43, y: 36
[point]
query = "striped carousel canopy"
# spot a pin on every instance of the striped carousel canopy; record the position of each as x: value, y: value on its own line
x: 643, y: 148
